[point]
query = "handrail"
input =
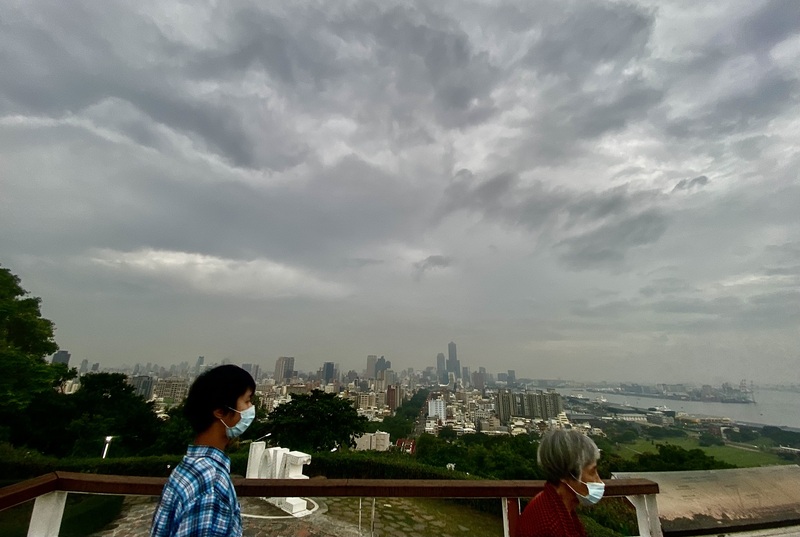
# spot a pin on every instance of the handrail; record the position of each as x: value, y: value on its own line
x: 24, y: 491
x: 380, y: 488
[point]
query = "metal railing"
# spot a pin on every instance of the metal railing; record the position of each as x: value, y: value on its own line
x: 50, y: 493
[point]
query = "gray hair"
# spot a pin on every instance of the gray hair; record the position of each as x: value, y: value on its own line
x: 565, y: 453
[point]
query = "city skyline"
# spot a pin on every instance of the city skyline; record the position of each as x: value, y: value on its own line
x: 572, y: 189
x: 284, y: 367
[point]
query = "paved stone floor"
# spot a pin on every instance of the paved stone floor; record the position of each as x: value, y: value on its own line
x: 335, y: 517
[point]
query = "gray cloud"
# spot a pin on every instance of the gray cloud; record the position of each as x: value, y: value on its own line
x: 666, y: 286
x: 431, y: 262
x: 689, y: 184
x: 156, y: 161
x: 608, y: 244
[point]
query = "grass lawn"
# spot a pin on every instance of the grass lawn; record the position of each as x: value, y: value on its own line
x: 732, y: 455
x: 417, y: 516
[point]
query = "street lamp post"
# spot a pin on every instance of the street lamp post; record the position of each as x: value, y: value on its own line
x: 108, y: 443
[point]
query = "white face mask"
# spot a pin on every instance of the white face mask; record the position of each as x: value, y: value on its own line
x: 247, y: 417
x: 594, y: 495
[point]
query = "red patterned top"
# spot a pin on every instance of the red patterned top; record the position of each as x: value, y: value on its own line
x: 547, y: 516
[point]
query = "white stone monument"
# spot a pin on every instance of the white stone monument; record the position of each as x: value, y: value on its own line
x: 278, y: 463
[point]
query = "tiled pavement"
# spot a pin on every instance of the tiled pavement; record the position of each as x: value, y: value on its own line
x: 336, y: 517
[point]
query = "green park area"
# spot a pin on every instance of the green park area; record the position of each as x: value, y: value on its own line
x: 737, y: 456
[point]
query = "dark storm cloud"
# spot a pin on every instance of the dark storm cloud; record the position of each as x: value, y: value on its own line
x: 576, y: 39
x: 773, y: 22
x: 608, y: 245
x: 689, y: 184
x: 600, y: 227
x: 752, y: 108
x: 156, y: 153
x: 430, y: 263
x: 64, y: 69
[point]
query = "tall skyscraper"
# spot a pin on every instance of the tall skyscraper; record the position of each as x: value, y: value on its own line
x: 327, y: 372
x: 441, y: 368
x: 144, y: 385
x: 253, y: 369
x: 61, y: 357
x: 198, y: 367
x: 371, y: 361
x: 284, y: 369
x: 452, y: 360
x: 382, y: 364
x: 479, y: 380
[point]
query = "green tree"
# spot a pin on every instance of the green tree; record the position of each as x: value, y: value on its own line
x: 396, y: 426
x: 25, y: 339
x: 708, y: 439
x: 107, y: 405
x: 174, y: 434
x: 315, y: 422
x: 447, y: 433
x: 672, y: 458
x: 61, y: 374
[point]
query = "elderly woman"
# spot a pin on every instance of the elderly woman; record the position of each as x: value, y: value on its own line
x: 569, y: 461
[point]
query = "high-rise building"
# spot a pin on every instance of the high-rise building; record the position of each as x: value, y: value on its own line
x: 393, y: 397
x: 253, y: 369
x: 327, y: 373
x: 371, y: 361
x: 504, y: 406
x: 382, y: 364
x: 465, y: 376
x: 144, y: 385
x: 284, y: 369
x: 61, y: 357
x: 198, y: 367
x: 512, y: 376
x: 437, y: 408
x: 172, y: 390
x: 537, y: 405
x: 452, y: 360
x: 440, y: 366
x: 479, y: 379
x: 84, y: 366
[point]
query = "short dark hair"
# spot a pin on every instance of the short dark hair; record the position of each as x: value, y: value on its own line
x: 215, y: 389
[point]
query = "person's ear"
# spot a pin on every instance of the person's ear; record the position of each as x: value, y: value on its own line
x: 220, y: 413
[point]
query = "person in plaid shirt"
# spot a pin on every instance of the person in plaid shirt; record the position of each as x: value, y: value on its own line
x: 199, y: 499
x: 569, y: 461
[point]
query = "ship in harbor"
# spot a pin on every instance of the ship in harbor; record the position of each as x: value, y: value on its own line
x: 727, y: 393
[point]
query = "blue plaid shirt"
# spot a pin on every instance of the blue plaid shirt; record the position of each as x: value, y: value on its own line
x: 199, y: 499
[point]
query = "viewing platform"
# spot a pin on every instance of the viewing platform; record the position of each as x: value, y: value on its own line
x: 741, y: 502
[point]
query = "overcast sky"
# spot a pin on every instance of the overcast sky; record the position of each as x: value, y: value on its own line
x: 581, y: 190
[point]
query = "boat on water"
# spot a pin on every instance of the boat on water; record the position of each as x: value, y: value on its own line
x: 662, y: 408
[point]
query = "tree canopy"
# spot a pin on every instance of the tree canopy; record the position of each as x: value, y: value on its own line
x: 315, y: 422
x: 25, y: 339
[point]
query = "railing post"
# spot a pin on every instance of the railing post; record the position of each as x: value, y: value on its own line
x: 48, y: 510
x: 647, y: 515
x: 510, y: 516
